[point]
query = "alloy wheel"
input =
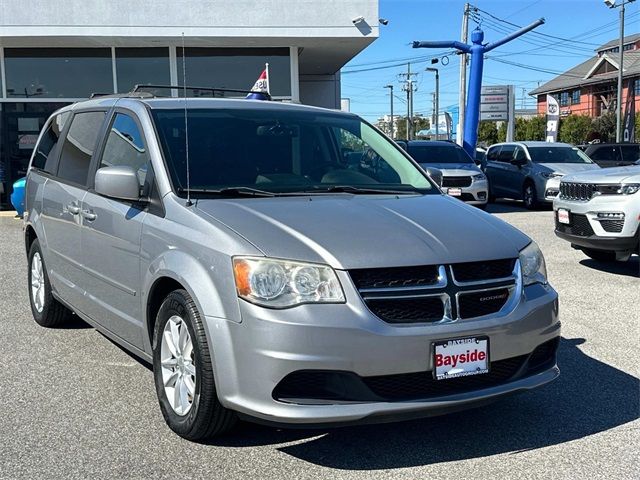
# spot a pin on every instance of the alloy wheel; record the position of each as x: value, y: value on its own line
x: 178, y: 365
x: 37, y: 282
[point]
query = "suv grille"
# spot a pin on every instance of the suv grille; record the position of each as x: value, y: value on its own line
x: 579, y: 226
x: 582, y: 192
x: 456, y: 181
x: 426, y: 294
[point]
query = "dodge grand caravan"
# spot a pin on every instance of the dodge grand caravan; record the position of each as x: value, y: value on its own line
x: 231, y: 244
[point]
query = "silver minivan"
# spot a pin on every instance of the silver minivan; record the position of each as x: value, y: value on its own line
x: 279, y: 263
x: 531, y: 171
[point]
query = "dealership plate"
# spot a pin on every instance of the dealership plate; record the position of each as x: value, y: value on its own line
x: 455, y: 192
x: 461, y: 357
x: 563, y: 216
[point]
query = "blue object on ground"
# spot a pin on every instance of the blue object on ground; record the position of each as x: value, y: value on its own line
x: 17, y: 197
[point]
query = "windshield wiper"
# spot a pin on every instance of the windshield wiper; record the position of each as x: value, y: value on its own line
x: 230, y: 192
x: 362, y: 191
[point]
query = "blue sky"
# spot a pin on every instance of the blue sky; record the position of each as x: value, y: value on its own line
x: 585, y: 24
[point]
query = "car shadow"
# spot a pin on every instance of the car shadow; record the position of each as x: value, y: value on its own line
x: 589, y: 397
x: 629, y: 268
x: 74, y: 323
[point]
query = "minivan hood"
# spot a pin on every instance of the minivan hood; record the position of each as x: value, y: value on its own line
x: 359, y: 231
x: 455, y: 169
x: 568, y: 168
x: 630, y: 174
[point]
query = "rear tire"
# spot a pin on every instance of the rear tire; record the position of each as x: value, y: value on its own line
x: 600, y: 255
x: 46, y: 310
x: 530, y: 196
x: 183, y: 372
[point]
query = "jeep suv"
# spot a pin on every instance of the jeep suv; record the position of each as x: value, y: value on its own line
x: 279, y: 263
x: 599, y: 212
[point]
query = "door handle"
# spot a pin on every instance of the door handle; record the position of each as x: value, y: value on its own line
x: 89, y: 215
x: 73, y: 209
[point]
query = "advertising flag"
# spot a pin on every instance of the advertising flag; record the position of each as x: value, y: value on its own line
x: 629, y: 130
x: 260, y: 89
x: 553, y: 117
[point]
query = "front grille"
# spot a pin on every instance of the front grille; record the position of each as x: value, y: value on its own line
x: 394, y: 277
x: 408, y: 310
x: 456, y: 181
x: 477, y: 304
x: 425, y: 294
x: 582, y: 192
x: 579, y: 225
x: 307, y: 386
x: 422, y: 384
x: 612, y: 226
x: 490, y: 270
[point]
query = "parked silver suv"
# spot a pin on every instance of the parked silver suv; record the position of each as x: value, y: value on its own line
x: 237, y: 246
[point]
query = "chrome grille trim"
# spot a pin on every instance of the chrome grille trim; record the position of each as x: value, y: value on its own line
x: 440, y: 283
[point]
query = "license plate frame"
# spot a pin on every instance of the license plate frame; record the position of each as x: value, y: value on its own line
x: 564, y: 216
x: 460, y: 346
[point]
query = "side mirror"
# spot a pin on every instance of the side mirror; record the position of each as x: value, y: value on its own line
x: 435, y: 175
x: 120, y: 182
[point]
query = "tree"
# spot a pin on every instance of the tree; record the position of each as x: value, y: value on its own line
x: 574, y: 129
x: 605, y: 128
x: 487, y: 132
x: 502, y: 132
x: 420, y: 123
x: 638, y: 127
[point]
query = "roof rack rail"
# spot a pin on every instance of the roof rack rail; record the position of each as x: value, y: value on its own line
x: 121, y: 95
x: 214, y: 90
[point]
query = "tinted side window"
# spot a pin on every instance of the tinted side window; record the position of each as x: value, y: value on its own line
x: 125, y: 146
x: 605, y: 153
x: 44, y: 153
x: 493, y: 153
x: 630, y: 153
x: 79, y: 145
x: 506, y: 154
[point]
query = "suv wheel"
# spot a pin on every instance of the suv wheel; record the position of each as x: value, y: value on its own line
x: 530, y: 196
x: 600, y: 255
x: 183, y: 372
x: 46, y: 310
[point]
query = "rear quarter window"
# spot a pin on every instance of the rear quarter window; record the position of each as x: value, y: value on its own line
x: 44, y: 155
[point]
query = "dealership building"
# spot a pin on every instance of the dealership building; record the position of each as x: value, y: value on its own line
x: 56, y: 53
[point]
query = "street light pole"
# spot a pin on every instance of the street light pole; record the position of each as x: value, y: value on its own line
x: 612, y: 4
x: 390, y: 87
x: 437, y: 102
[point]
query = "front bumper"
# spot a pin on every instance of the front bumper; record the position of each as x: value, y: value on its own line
x: 475, y: 194
x: 252, y: 357
x: 601, y: 239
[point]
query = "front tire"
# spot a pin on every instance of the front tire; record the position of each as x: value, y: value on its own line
x: 183, y: 372
x: 46, y: 310
x: 600, y: 255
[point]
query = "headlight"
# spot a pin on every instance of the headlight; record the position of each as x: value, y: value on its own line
x: 281, y: 284
x: 479, y: 177
x: 534, y: 269
x: 550, y: 175
x: 629, y: 189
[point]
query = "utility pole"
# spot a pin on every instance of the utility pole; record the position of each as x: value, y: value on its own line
x: 409, y: 88
x: 462, y: 96
x: 390, y: 87
x: 436, y: 97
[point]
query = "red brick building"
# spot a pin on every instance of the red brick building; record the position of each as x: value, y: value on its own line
x: 591, y: 87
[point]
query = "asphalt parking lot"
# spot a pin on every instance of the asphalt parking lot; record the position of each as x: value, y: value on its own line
x: 74, y: 405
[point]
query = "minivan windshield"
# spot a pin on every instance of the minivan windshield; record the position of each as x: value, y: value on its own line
x: 560, y: 154
x: 439, y: 154
x: 266, y: 151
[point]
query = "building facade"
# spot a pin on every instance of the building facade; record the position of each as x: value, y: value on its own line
x: 55, y: 53
x: 590, y: 88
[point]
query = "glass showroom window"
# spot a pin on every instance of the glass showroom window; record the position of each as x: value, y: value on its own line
x: 564, y: 99
x: 57, y: 72
x: 142, y: 66
x: 575, y: 97
x: 237, y: 68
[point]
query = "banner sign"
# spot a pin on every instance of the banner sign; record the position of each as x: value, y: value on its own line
x: 553, y: 117
x: 494, y: 103
x: 629, y: 124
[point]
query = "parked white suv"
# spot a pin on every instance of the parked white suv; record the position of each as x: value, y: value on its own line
x: 599, y: 212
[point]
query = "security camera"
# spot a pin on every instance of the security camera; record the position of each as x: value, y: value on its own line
x: 357, y: 20
x: 383, y: 21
